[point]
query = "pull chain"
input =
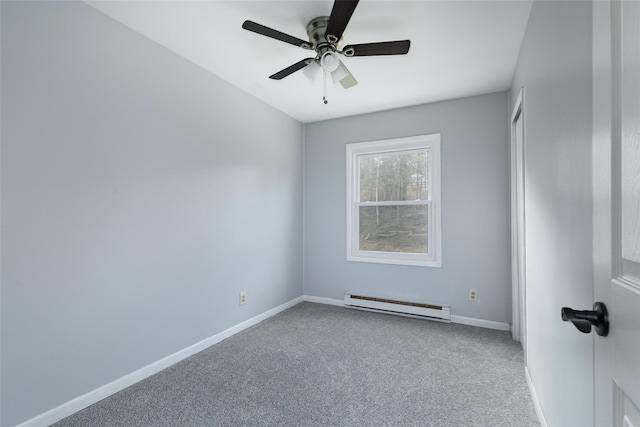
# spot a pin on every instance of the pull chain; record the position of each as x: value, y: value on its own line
x: 324, y: 87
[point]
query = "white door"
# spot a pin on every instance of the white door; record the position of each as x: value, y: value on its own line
x: 616, y: 162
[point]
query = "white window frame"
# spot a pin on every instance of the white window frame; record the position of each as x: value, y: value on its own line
x: 354, y: 151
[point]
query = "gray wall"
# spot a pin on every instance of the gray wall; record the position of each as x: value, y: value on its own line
x: 475, y: 208
x: 555, y: 69
x: 140, y: 195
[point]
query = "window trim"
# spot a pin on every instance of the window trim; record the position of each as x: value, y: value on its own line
x: 430, y: 142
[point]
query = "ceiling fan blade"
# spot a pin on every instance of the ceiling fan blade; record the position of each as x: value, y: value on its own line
x: 399, y: 47
x: 291, y: 69
x: 348, y: 81
x: 275, y: 34
x: 340, y: 16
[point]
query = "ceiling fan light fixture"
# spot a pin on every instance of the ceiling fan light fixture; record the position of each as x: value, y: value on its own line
x: 330, y: 61
x: 339, y: 73
x: 311, y: 71
x: 348, y: 81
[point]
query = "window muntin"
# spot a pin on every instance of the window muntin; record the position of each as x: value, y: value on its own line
x: 393, y: 197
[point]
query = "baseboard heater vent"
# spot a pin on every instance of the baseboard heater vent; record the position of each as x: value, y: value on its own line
x: 400, y: 308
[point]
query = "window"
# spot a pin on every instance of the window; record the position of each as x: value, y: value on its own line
x: 393, y: 192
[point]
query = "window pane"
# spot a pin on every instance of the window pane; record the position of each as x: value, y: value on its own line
x: 394, y: 228
x: 394, y: 176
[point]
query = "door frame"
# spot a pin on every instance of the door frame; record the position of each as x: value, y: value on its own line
x: 518, y: 251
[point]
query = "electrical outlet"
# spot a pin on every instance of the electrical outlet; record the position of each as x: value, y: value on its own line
x: 473, y: 295
x: 243, y: 298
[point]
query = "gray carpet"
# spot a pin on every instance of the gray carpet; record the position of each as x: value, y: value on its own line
x: 321, y: 365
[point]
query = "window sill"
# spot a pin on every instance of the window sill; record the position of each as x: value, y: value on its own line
x: 396, y: 261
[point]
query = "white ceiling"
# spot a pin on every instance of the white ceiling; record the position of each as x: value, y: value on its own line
x: 458, y: 48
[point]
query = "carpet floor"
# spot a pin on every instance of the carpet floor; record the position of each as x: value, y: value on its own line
x: 322, y: 365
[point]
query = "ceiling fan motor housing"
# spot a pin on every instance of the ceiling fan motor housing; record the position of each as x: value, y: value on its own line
x: 316, y: 30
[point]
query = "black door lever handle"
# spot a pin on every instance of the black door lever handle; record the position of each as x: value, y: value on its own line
x: 584, y: 319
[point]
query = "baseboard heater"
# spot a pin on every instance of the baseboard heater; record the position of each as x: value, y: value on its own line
x: 401, y: 308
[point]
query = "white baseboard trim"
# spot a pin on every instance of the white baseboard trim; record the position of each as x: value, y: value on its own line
x: 322, y: 300
x: 60, y: 412
x: 489, y: 324
x: 534, y: 397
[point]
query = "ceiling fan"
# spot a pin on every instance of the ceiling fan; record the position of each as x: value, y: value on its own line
x: 325, y: 38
